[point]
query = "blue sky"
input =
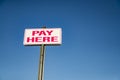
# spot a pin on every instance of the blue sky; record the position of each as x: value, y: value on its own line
x: 91, y: 41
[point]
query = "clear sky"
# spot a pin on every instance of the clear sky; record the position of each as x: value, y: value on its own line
x: 90, y: 48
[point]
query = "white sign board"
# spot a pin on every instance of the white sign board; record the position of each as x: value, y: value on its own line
x: 48, y: 36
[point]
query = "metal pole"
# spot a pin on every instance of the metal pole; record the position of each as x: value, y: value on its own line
x: 41, y: 62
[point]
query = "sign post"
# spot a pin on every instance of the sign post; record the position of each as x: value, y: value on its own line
x: 42, y: 37
x: 41, y: 62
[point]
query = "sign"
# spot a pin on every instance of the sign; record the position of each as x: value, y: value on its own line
x: 48, y: 36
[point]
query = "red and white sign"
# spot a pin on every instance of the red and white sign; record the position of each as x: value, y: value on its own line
x: 48, y: 36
